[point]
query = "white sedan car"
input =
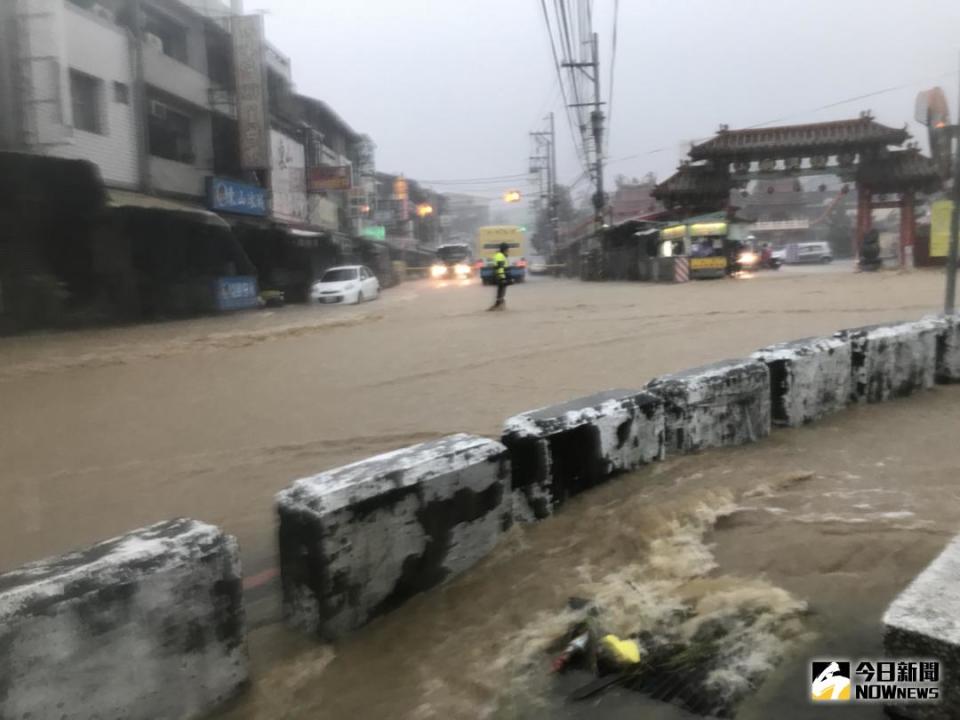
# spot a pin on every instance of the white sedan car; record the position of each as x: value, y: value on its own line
x: 346, y: 284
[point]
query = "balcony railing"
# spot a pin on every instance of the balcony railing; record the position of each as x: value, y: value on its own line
x: 175, y: 78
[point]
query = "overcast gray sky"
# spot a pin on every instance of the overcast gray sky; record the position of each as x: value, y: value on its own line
x: 450, y: 88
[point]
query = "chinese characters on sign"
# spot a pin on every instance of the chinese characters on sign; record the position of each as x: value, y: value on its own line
x: 251, y: 91
x: 328, y: 177
x: 236, y: 293
x: 888, y: 681
x: 288, y: 179
x: 236, y: 197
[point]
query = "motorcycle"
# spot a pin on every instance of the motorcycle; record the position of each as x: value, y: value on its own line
x: 750, y: 261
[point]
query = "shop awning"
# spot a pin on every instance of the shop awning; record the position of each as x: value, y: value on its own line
x: 127, y: 198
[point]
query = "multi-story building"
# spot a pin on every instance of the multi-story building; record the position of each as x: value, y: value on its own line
x: 147, y: 90
x: 139, y: 88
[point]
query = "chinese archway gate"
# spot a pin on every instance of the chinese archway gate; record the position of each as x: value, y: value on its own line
x: 860, y: 150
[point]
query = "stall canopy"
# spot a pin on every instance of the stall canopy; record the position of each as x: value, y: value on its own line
x: 126, y: 198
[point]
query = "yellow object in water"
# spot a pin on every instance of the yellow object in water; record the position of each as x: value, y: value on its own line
x: 624, y: 652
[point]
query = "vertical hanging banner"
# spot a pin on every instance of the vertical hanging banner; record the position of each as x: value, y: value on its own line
x: 252, y: 120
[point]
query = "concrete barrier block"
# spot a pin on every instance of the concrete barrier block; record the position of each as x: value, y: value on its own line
x: 726, y: 403
x: 808, y: 378
x: 358, y: 541
x: 924, y: 622
x: 948, y: 350
x: 889, y: 361
x: 147, y: 625
x: 558, y: 451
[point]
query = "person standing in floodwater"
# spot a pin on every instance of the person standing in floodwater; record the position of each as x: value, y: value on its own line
x: 500, y: 275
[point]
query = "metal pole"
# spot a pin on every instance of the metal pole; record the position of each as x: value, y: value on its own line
x: 949, y: 304
x: 552, y: 194
x: 597, y: 117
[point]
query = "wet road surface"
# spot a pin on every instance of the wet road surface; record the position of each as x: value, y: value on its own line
x: 113, y: 429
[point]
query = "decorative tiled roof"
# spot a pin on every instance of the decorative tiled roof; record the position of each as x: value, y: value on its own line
x: 694, y: 181
x: 899, y: 171
x: 827, y: 138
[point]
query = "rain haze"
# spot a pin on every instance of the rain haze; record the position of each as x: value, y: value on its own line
x: 449, y: 90
x: 347, y: 372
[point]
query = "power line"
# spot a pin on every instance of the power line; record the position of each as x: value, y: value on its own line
x: 802, y: 113
x: 567, y: 45
x: 563, y: 90
x: 550, y: 101
x: 468, y: 181
x: 613, y: 62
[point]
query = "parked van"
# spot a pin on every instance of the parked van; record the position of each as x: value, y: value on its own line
x: 808, y: 252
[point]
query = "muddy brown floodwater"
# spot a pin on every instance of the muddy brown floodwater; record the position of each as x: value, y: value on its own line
x: 820, y: 527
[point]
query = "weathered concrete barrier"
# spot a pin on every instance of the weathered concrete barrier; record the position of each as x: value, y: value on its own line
x: 559, y: 451
x: 809, y: 378
x: 922, y: 622
x: 359, y: 540
x: 948, y: 350
x: 726, y: 403
x: 147, y: 625
x: 889, y: 361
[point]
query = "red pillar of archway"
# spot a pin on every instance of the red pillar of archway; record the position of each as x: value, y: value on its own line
x: 864, y: 218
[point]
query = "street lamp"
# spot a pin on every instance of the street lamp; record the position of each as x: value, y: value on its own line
x: 424, y: 209
x: 511, y: 196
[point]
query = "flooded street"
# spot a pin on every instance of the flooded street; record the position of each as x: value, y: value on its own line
x: 818, y: 528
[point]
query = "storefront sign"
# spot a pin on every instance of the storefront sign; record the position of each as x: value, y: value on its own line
x: 328, y: 177
x: 235, y: 197
x: 249, y: 70
x: 236, y: 292
x: 375, y: 232
x: 707, y: 229
x: 324, y: 212
x: 708, y: 263
x: 288, y: 179
x: 672, y: 233
x: 940, y: 228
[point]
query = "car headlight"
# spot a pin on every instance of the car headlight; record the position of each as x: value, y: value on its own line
x: 351, y: 286
x: 462, y: 269
x: 438, y: 271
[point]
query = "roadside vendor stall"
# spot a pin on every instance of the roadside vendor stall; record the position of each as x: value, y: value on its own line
x: 709, y: 242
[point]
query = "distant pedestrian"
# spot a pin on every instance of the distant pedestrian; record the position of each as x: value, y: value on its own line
x: 500, y: 275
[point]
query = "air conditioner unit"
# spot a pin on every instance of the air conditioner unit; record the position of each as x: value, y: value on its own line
x: 158, y: 110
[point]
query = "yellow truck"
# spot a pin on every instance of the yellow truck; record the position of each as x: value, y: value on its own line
x: 489, y: 239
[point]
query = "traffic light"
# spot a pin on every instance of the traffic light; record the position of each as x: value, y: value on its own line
x: 511, y: 196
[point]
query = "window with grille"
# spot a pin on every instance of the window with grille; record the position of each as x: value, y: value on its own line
x: 85, y: 94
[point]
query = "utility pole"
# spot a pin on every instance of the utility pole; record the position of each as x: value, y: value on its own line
x: 596, y: 118
x: 596, y: 123
x: 949, y: 305
x: 554, y: 200
x: 547, y: 161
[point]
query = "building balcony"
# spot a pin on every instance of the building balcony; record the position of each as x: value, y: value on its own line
x: 175, y: 78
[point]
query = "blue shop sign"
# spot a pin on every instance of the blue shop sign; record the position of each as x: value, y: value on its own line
x: 236, y: 293
x: 236, y: 197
